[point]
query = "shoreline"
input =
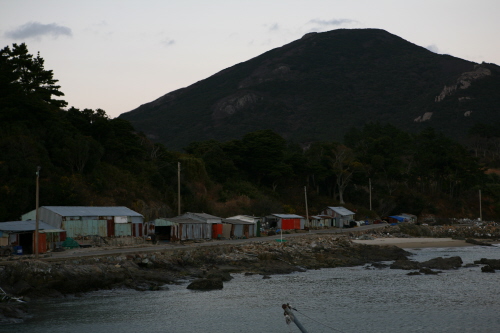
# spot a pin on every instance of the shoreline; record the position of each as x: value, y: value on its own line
x: 415, y: 242
x: 207, y: 265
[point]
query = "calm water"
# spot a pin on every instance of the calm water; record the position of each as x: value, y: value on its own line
x: 355, y: 299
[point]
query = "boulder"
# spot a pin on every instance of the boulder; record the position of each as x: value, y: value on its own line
x: 218, y: 274
x: 206, y: 284
x: 428, y: 271
x: 493, y: 263
x: 443, y: 263
x: 405, y: 264
x: 487, y: 269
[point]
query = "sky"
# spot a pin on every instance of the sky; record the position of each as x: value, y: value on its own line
x: 119, y: 54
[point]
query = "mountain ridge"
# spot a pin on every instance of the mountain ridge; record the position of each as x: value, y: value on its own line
x: 317, y: 87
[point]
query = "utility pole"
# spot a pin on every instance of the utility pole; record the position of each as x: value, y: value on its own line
x: 370, y: 187
x: 480, y: 208
x: 179, y: 187
x: 290, y: 317
x: 36, y: 211
x: 307, y: 209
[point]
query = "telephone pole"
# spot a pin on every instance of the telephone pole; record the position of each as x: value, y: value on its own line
x: 307, y: 209
x: 179, y: 187
x: 36, y: 211
x: 370, y: 186
x: 480, y: 208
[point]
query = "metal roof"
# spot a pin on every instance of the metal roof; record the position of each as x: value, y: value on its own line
x: 342, y: 211
x: 20, y: 226
x: 288, y: 216
x: 92, y: 211
x: 203, y: 215
x: 246, y: 218
x: 183, y: 219
x: 236, y: 221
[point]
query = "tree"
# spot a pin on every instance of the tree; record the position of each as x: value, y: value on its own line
x: 344, y: 165
x: 264, y: 156
x: 26, y: 74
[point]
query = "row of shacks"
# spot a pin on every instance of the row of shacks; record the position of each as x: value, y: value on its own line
x: 58, y: 222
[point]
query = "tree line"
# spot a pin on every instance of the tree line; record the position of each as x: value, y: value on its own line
x: 86, y: 158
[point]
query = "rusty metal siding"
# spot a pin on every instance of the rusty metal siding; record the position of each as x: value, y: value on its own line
x: 248, y: 230
x: 176, y: 232
x: 137, y: 229
x: 76, y: 228
x: 123, y: 229
x: 111, y: 227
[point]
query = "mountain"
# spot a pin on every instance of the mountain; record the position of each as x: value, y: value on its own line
x: 318, y: 87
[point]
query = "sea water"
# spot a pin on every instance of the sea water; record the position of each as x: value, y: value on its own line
x: 351, y: 299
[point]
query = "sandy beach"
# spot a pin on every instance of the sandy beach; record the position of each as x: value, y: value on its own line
x: 416, y: 242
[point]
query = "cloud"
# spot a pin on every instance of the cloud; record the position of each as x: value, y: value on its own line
x: 38, y: 30
x: 168, y: 42
x: 432, y: 48
x: 274, y: 27
x: 332, y: 22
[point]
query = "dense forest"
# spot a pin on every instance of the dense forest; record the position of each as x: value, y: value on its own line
x: 88, y: 159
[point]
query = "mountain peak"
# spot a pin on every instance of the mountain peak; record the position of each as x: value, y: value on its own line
x: 316, y: 88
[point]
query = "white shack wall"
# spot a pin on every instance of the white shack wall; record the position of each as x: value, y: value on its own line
x: 195, y: 231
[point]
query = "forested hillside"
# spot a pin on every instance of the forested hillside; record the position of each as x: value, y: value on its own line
x: 317, y: 87
x: 86, y: 158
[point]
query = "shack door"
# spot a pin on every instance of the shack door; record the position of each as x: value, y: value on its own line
x: 26, y: 241
x: 42, y: 242
x: 110, y: 221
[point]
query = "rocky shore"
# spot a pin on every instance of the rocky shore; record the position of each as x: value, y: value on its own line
x: 206, y: 267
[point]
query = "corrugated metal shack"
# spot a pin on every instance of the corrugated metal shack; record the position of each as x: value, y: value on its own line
x: 320, y: 221
x: 86, y: 221
x: 189, y: 226
x: 22, y: 233
x: 214, y: 221
x: 257, y: 222
x: 182, y: 228
x: 239, y: 228
x: 340, y: 216
x: 285, y: 221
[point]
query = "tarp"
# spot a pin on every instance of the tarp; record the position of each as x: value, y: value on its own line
x: 399, y: 218
x: 70, y: 243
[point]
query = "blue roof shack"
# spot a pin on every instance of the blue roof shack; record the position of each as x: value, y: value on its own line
x: 394, y: 219
x: 87, y: 221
